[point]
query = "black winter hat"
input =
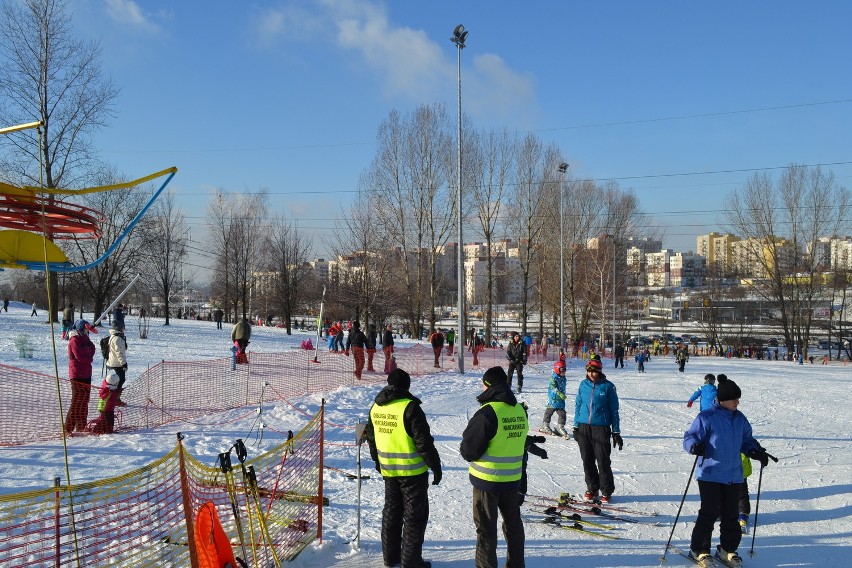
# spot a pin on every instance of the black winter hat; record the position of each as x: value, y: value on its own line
x: 399, y: 379
x: 494, y: 376
x: 728, y: 390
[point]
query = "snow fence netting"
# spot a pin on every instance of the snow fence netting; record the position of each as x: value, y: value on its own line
x: 269, y: 507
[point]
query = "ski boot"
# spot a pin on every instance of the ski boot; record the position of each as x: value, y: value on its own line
x: 545, y: 428
x: 559, y: 430
x: 590, y: 496
x: 744, y: 522
x: 730, y: 559
x: 703, y: 559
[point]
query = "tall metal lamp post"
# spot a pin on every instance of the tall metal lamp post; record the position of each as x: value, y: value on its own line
x: 459, y: 37
x: 563, y: 169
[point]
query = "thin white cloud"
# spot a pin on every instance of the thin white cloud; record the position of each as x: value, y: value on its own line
x: 128, y: 12
x: 406, y: 61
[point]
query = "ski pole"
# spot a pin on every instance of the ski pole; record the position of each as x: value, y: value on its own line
x: 674, y: 525
x: 757, y: 504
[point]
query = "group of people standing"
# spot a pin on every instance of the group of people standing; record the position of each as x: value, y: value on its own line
x: 494, y: 443
x: 81, y: 354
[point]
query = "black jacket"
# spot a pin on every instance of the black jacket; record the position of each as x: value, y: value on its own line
x: 416, y: 426
x: 387, y: 338
x: 481, y: 428
x: 356, y: 339
x: 371, y: 339
x: 517, y: 352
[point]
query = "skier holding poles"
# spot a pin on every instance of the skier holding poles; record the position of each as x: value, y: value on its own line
x: 717, y: 437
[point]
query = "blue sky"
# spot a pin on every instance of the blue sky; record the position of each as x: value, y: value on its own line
x: 287, y: 96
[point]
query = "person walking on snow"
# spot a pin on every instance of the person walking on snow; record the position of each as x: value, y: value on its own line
x: 493, y: 442
x: 682, y: 356
x: 34, y: 312
x: 516, y: 352
x: 706, y: 392
x: 402, y: 446
x: 717, y: 437
x: 372, y: 336
x: 556, y: 401
x: 358, y: 342
x: 387, y: 346
x: 436, y: 340
x: 596, y: 419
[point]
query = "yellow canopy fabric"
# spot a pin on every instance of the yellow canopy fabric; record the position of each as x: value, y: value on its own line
x: 23, y: 246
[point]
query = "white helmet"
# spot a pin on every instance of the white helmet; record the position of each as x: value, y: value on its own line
x: 112, y: 379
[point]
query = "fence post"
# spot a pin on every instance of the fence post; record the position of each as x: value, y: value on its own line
x: 162, y: 392
x: 187, y: 505
x: 56, y: 519
x: 321, y: 470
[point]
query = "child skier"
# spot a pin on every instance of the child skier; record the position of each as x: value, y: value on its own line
x: 706, y: 392
x: 717, y: 437
x: 109, y: 397
x: 556, y: 402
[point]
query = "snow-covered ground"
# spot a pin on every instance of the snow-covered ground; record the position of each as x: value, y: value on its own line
x: 801, y: 414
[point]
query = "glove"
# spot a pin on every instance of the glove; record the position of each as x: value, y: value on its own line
x: 347, y: 353
x: 698, y: 449
x: 436, y: 476
x: 536, y: 451
x: 574, y: 433
x: 761, y: 456
x: 617, y: 442
x: 689, y: 404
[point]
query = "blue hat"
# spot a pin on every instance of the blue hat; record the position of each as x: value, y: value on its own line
x: 80, y: 325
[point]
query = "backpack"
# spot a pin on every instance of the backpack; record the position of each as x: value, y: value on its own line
x: 105, y: 344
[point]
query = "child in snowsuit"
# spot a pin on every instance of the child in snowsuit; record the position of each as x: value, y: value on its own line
x: 108, y: 398
x: 706, y: 392
x: 556, y: 401
x: 640, y: 361
x: 717, y: 437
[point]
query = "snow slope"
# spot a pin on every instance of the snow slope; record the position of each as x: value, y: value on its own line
x: 801, y: 414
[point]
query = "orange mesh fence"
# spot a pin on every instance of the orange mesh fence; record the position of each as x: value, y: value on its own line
x: 173, y: 391
x: 139, y: 519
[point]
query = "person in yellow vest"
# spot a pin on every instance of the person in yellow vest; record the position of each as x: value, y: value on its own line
x: 402, y: 446
x: 493, y: 442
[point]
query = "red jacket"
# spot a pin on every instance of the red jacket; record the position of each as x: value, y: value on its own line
x: 81, y: 351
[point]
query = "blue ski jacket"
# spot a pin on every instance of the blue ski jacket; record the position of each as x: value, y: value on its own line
x: 707, y: 392
x: 556, y: 391
x: 726, y: 435
x: 597, y: 404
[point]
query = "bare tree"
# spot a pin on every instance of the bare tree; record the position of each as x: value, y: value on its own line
x: 221, y: 234
x: 165, y: 248
x: 489, y: 161
x: 48, y: 75
x: 287, y: 256
x: 526, y: 210
x: 779, y: 223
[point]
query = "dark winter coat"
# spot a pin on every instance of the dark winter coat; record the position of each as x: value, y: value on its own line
x: 619, y: 351
x: 387, y: 338
x: 481, y: 429
x: 416, y: 426
x: 81, y: 352
x: 371, y: 338
x: 242, y: 330
x: 437, y: 340
x: 517, y: 352
x: 356, y: 339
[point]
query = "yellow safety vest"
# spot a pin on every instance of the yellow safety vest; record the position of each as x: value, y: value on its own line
x: 398, y: 456
x: 503, y: 460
